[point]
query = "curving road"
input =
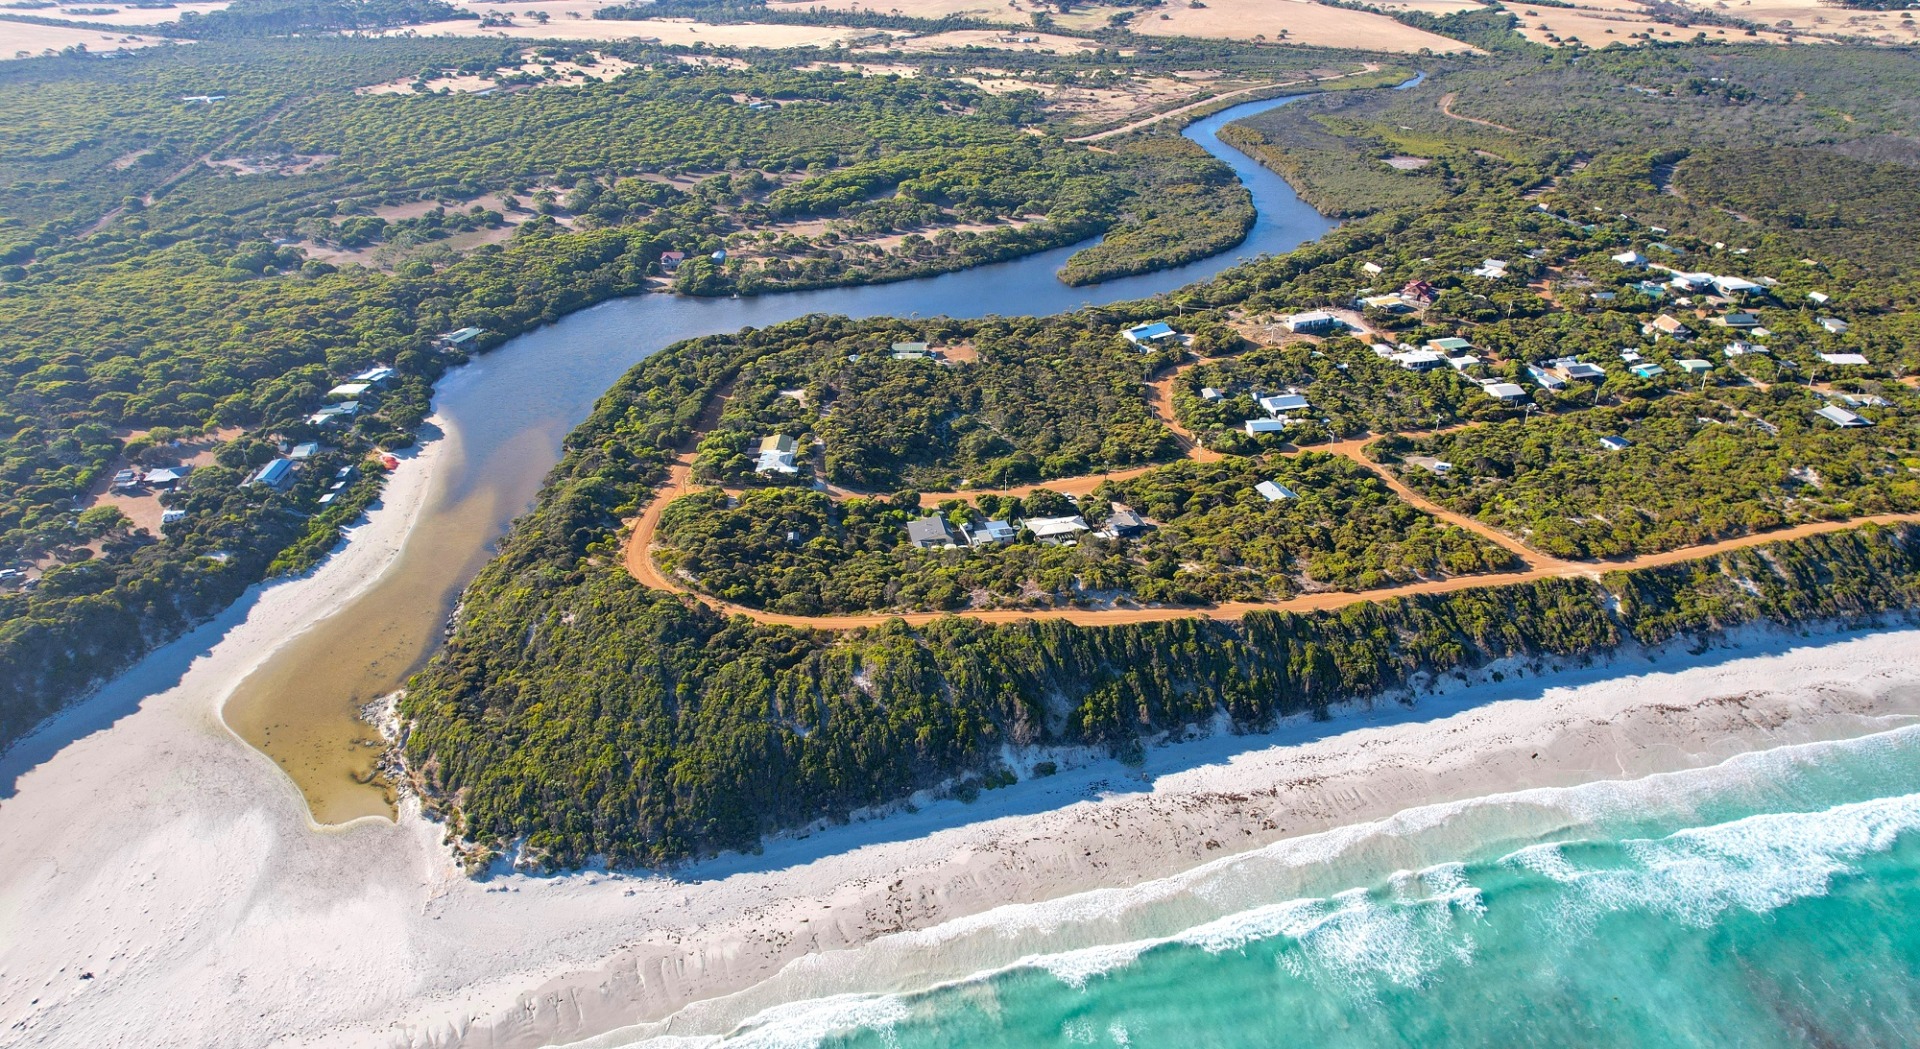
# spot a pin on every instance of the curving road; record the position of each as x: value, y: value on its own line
x: 1537, y: 566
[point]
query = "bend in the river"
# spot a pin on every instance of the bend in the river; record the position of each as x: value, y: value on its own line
x: 506, y: 413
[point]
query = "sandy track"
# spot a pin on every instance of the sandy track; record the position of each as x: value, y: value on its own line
x: 1446, y: 107
x: 644, y: 530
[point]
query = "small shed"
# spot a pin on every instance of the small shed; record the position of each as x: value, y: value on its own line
x: 1256, y: 427
x: 1613, y: 443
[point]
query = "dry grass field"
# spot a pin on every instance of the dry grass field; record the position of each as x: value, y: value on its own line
x: 20, y: 40
x: 1289, y: 21
x: 666, y: 30
x: 604, y: 67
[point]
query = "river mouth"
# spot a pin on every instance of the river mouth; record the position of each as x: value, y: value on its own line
x: 505, y: 415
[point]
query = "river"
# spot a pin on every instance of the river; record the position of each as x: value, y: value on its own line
x: 505, y: 414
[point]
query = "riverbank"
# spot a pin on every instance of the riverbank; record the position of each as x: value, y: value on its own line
x: 172, y: 891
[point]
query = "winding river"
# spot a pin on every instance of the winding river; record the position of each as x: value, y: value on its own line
x: 506, y: 413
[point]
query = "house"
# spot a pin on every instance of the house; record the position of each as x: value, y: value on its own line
x: 1741, y: 348
x: 1850, y: 359
x: 1546, y: 377
x: 775, y: 455
x: 375, y: 375
x: 1667, y: 326
x: 1574, y: 370
x: 1738, y: 319
x: 916, y: 348
x: 1124, y: 524
x: 1208, y: 393
x: 1274, y: 491
x: 671, y: 260
x: 1419, y: 291
x: 461, y: 338
x: 166, y: 476
x: 305, y: 451
x: 1055, y: 529
x: 1451, y: 344
x: 1281, y: 403
x: 1695, y: 366
x: 1648, y: 371
x: 1256, y: 427
x: 1615, y: 444
x: 1388, y: 303
x: 1734, y: 287
x: 1313, y: 322
x: 930, y: 533
x: 1631, y: 356
x: 1492, y: 269
x: 1506, y: 391
x: 1604, y: 296
x: 1834, y: 325
x: 1463, y: 362
x: 1690, y: 281
x: 1819, y: 298
x: 275, y: 475
x: 1148, y: 335
x: 1382, y: 350
x: 991, y: 533
x: 1373, y: 268
x: 1649, y: 287
x: 1631, y: 258
x: 326, y: 416
x: 1419, y: 360
x: 348, y: 391
x: 718, y: 256
x: 1841, y: 417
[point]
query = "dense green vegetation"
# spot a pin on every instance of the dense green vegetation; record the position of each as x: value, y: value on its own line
x: 1701, y: 467
x: 148, y: 297
x: 1214, y: 539
x: 576, y: 714
x: 1032, y: 399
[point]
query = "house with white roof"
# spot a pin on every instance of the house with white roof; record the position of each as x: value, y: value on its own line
x: 1055, y: 529
x: 1419, y: 360
x: 1274, y: 491
x: 1313, y: 322
x: 1853, y: 360
x: 1841, y: 417
x: 1256, y: 427
x: 1280, y: 403
x: 776, y: 455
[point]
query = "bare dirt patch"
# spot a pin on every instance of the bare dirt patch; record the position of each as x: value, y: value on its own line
x: 134, y: 17
x: 285, y: 165
x: 1291, y: 22
x: 1000, y: 40
x: 1407, y: 163
x: 601, y: 67
x: 667, y: 31
x: 22, y: 40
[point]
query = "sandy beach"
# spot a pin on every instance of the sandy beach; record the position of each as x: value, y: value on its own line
x: 167, y: 887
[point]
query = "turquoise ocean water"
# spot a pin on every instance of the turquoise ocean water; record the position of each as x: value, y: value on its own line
x: 1770, y: 901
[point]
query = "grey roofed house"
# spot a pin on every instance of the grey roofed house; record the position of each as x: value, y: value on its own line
x: 991, y: 532
x: 1419, y: 360
x: 775, y: 455
x: 1055, y: 528
x: 1277, y: 403
x: 1732, y: 286
x: 1273, y: 491
x: 1577, y: 371
x: 929, y: 533
x: 304, y: 451
x: 1211, y: 394
x: 1615, y: 444
x: 1256, y: 427
x: 1630, y: 258
x: 126, y: 478
x: 1834, y: 325
x: 1853, y: 359
x: 1463, y: 362
x: 1124, y: 523
x: 1505, y: 391
x: 1839, y: 416
x: 1738, y: 319
x: 909, y: 347
x: 1546, y: 377
x: 348, y: 391
x: 375, y: 375
x: 275, y: 474
x: 166, y: 475
x: 461, y: 336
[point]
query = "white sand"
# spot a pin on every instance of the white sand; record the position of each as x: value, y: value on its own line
x: 177, y: 867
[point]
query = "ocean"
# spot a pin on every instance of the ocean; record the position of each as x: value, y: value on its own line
x: 1767, y: 901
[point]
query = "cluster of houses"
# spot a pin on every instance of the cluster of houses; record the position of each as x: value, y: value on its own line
x: 933, y: 532
x: 344, y: 402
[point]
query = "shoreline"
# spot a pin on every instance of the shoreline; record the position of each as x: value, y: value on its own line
x: 210, y: 911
